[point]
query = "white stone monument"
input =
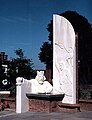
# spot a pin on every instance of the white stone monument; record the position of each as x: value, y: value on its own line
x: 33, y: 86
x: 64, y: 59
x: 64, y: 69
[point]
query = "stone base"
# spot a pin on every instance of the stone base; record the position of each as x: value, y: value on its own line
x: 42, y: 106
x: 50, y: 103
x: 64, y: 107
x: 44, y: 103
x: 51, y: 106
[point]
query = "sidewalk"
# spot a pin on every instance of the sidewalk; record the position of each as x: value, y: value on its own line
x: 11, y: 115
x: 7, y: 112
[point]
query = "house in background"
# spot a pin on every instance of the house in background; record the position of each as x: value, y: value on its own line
x: 4, y: 61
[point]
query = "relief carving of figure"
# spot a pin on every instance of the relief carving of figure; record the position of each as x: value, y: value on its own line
x: 64, y: 80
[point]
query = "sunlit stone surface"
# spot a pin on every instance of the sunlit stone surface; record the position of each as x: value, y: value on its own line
x: 39, y: 84
x: 64, y: 59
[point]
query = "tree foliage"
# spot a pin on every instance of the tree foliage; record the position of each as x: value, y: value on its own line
x: 84, y: 30
x: 20, y: 66
x: 46, y: 54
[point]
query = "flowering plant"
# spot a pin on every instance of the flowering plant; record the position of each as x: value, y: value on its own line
x: 2, y: 106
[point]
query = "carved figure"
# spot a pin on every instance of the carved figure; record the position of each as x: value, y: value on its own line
x: 64, y: 81
x: 39, y: 84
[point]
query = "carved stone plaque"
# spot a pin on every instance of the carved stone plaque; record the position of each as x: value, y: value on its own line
x: 64, y: 59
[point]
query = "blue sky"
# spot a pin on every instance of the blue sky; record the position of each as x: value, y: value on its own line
x: 23, y: 23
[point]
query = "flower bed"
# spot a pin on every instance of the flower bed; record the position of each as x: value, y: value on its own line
x: 2, y: 105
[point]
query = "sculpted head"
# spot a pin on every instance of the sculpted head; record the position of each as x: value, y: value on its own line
x: 40, y: 77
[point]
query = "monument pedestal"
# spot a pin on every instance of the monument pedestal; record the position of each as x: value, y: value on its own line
x: 65, y: 107
x: 44, y: 102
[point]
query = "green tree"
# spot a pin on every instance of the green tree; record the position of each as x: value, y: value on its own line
x: 84, y: 30
x: 20, y: 66
x: 46, y: 54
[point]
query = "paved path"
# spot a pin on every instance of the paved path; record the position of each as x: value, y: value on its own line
x: 11, y: 115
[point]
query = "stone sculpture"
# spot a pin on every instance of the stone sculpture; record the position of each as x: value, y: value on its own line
x: 39, y: 84
x: 64, y: 59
